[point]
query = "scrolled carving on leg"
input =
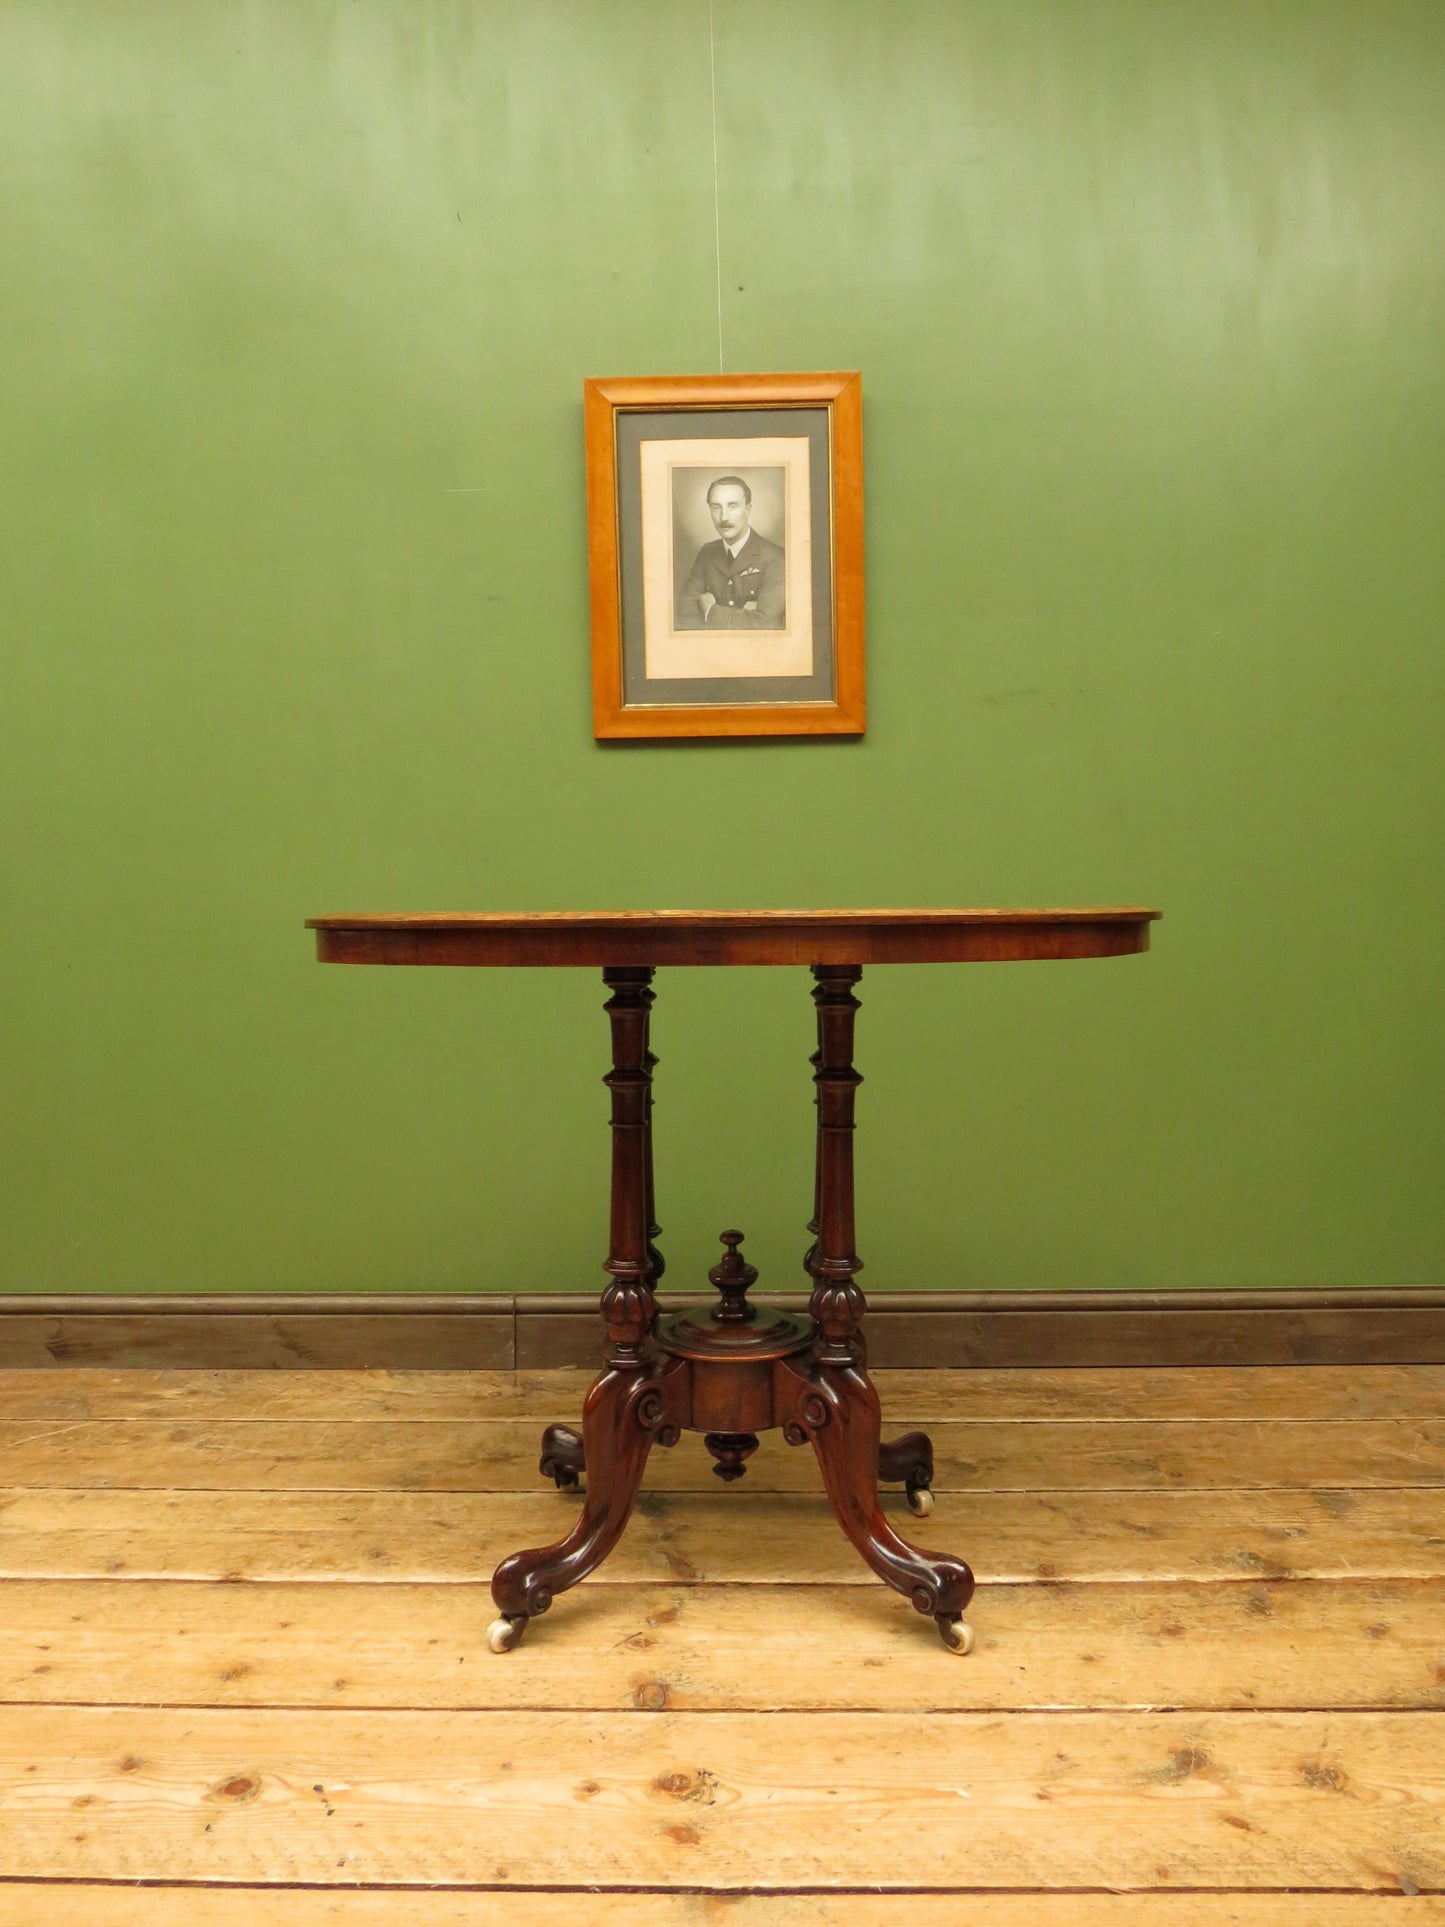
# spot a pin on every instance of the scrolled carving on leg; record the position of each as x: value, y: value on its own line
x: 653, y: 1408
x: 625, y: 1415
x: 835, y: 1409
x: 564, y: 1457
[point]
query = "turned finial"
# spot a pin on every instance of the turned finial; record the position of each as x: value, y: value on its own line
x: 733, y: 1277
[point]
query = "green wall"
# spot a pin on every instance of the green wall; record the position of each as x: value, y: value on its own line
x: 297, y: 300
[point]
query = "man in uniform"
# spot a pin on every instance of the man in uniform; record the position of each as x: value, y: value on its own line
x: 736, y: 582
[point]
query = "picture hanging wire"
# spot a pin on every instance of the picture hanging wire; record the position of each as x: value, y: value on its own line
x: 716, y: 215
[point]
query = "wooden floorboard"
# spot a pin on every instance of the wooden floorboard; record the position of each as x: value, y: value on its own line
x: 1277, y: 1644
x: 1262, y: 1394
x: 727, y: 1800
x: 500, y: 1455
x: 731, y: 1537
x: 1208, y: 1685
x: 28, y: 1904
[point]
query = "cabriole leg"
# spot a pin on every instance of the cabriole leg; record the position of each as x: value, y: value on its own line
x: 564, y: 1457
x: 908, y: 1461
x: 835, y: 1410
x: 627, y: 1412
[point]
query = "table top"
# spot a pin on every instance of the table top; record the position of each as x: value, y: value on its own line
x: 621, y: 938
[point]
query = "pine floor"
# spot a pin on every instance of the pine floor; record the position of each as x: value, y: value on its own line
x: 244, y: 1679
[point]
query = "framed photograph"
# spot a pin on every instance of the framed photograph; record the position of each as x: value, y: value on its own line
x: 725, y: 539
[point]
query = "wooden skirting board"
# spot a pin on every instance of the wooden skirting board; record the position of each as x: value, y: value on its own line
x: 503, y: 1331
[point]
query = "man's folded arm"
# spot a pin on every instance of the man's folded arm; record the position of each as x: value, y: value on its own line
x: 770, y: 598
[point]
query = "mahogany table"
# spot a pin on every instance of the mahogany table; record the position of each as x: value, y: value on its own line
x: 739, y: 1369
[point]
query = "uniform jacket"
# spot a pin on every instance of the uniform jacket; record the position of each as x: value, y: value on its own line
x: 749, y: 587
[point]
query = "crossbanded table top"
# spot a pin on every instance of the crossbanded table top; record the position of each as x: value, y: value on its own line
x: 639, y: 938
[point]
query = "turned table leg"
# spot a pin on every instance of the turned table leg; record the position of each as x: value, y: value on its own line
x: 564, y: 1452
x: 637, y: 1401
x: 833, y: 1404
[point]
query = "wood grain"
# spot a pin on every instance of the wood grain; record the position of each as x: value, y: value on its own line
x: 1352, y: 1801
x: 170, y: 1334
x: 1086, y: 1537
x: 1266, y: 1395
x: 1239, y: 1335
x: 1277, y: 1645
x: 499, y: 1455
x: 1162, y: 1698
x: 42, y: 1905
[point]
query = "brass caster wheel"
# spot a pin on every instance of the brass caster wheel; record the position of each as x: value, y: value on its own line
x: 503, y: 1634
x: 956, y: 1634
x: 920, y: 1500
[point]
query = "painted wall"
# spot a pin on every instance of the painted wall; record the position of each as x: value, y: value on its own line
x: 298, y: 297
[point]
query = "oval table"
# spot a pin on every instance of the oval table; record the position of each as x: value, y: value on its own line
x: 739, y: 1369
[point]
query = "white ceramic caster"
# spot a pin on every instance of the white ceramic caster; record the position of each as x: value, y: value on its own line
x: 503, y: 1634
x: 957, y: 1635
x: 920, y: 1501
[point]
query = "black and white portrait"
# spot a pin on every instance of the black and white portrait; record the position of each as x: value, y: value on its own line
x: 729, y: 542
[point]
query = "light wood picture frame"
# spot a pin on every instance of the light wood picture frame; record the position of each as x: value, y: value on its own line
x: 725, y: 546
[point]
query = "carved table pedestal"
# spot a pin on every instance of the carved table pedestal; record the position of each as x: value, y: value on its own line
x: 737, y: 1369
